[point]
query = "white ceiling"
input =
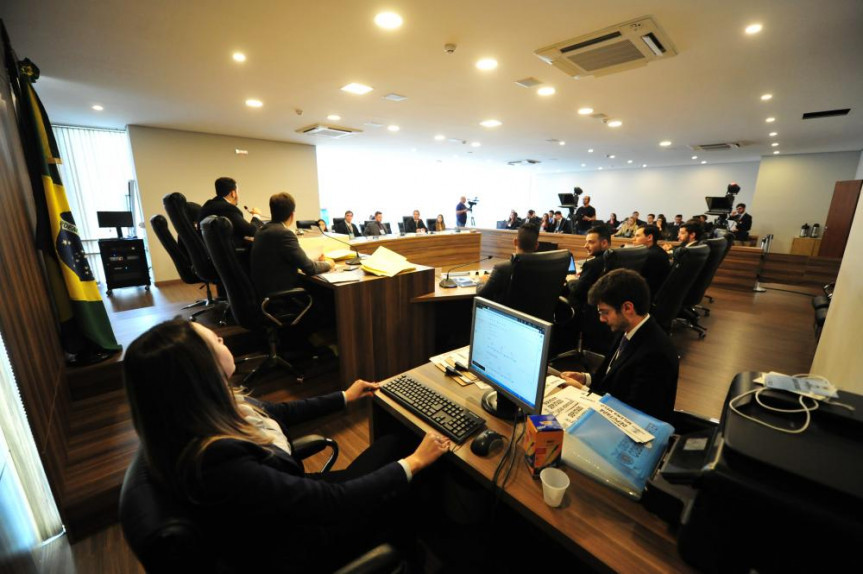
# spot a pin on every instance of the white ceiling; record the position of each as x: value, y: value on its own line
x: 168, y: 64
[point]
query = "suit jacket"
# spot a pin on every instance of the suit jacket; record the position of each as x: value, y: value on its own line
x: 220, y: 206
x: 744, y: 222
x: 656, y: 268
x: 591, y: 270
x: 498, y: 283
x: 264, y: 513
x: 342, y: 227
x: 373, y: 228
x: 564, y: 226
x: 276, y: 257
x: 644, y: 376
x: 513, y: 224
x: 412, y: 226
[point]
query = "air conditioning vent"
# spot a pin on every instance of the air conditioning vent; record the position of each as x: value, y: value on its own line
x: 826, y: 114
x: 524, y: 162
x: 332, y: 132
x: 715, y: 146
x: 614, y: 49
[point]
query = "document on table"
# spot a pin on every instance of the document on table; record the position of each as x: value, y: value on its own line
x: 339, y: 254
x: 386, y: 263
x: 568, y: 405
x: 342, y: 276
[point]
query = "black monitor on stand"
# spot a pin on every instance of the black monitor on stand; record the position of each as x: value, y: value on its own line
x: 116, y: 219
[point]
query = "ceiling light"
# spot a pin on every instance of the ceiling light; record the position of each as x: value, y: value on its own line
x: 773, y: 134
x: 561, y: 143
x: 585, y: 111
x: 665, y: 143
x: 599, y: 168
x: 393, y: 128
x: 753, y: 28
x: 774, y: 144
x: 393, y: 97
x: 776, y: 152
x: 766, y: 97
x: 475, y: 144
x: 615, y: 123
x: 629, y: 161
x: 334, y: 117
x: 440, y: 137
x: 546, y: 91
x: 358, y: 89
x: 612, y: 156
x: 239, y: 57
x: 770, y: 120
x: 703, y: 161
x: 490, y: 123
x: 644, y: 165
x: 584, y: 165
x: 486, y: 64
x: 254, y: 103
x: 98, y: 108
x: 590, y: 150
x: 695, y: 157
x: 388, y: 20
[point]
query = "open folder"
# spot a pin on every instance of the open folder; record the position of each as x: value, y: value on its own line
x: 386, y: 263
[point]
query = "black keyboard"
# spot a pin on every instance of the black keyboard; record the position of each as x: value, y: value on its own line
x: 438, y: 411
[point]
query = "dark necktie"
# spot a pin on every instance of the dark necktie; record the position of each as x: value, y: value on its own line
x: 624, y: 342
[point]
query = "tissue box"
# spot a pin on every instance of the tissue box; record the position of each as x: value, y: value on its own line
x: 543, y: 440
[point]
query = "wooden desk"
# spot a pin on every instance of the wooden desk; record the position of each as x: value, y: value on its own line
x: 601, y: 527
x: 435, y: 250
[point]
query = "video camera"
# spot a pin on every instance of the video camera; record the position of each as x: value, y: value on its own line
x: 471, y: 203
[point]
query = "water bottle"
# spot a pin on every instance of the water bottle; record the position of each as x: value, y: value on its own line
x: 804, y: 231
x: 816, y: 230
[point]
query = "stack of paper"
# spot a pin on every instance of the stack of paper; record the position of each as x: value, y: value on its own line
x: 339, y: 254
x: 451, y: 359
x: 386, y: 263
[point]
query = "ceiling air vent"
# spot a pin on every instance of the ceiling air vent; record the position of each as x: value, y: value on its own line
x: 614, y: 49
x: 714, y: 146
x: 826, y: 114
x: 524, y: 162
x: 332, y: 132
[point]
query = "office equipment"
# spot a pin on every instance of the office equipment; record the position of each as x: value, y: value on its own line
x: 509, y: 351
x: 115, y: 219
x: 485, y: 442
x: 125, y: 263
x: 307, y: 224
x: 446, y: 416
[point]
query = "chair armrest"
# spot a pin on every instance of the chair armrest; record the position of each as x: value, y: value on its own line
x: 288, y: 294
x: 685, y: 422
x: 307, y: 446
x: 383, y: 558
x: 563, y: 311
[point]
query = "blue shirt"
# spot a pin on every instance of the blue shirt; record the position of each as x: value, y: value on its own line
x: 461, y: 218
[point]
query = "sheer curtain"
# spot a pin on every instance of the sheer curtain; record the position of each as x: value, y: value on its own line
x: 96, y: 170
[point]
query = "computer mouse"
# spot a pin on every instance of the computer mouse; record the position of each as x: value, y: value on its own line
x: 485, y: 442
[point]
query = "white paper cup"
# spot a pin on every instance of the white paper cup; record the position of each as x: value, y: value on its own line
x: 554, y: 485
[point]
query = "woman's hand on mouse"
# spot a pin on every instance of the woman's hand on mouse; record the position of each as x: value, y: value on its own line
x: 432, y: 447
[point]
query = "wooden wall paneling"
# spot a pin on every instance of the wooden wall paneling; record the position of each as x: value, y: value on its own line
x: 437, y: 250
x: 800, y: 270
x: 837, y: 228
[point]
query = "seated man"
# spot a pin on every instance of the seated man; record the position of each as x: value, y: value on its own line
x: 276, y: 252
x: 561, y: 224
x: 742, y: 223
x: 347, y: 227
x: 596, y: 242
x: 657, y: 266
x: 225, y: 204
x: 494, y: 286
x: 416, y: 225
x: 689, y: 235
x: 641, y: 366
x: 532, y: 217
x: 674, y: 228
x: 375, y: 227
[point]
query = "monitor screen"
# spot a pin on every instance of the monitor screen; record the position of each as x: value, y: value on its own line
x: 114, y: 218
x: 509, y: 351
x: 567, y: 199
x: 722, y: 204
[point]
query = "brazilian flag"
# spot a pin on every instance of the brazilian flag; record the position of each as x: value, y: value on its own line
x: 85, y: 329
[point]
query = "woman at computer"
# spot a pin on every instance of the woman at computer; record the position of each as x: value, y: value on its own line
x: 439, y: 224
x: 228, y: 457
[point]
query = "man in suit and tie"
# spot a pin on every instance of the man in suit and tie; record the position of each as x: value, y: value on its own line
x: 561, y: 224
x: 375, y: 228
x: 416, y: 225
x: 596, y: 242
x: 347, y: 226
x: 689, y: 235
x: 657, y: 265
x: 642, y: 366
x: 743, y: 222
x: 494, y: 286
x: 225, y: 204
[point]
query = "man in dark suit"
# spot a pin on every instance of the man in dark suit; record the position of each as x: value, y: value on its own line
x: 674, y: 228
x: 533, y: 218
x: 276, y: 252
x: 495, y: 285
x: 375, y: 227
x: 657, y: 265
x: 641, y: 366
x: 561, y: 224
x: 225, y: 204
x: 596, y: 242
x: 743, y: 223
x: 347, y: 226
x: 416, y: 225
x: 689, y: 235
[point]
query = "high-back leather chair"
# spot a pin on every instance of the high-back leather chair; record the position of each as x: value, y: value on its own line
x: 536, y: 283
x: 252, y: 312
x: 630, y: 258
x: 179, y: 257
x: 688, y: 315
x: 688, y: 263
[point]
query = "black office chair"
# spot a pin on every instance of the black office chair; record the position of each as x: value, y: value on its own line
x: 536, y: 283
x: 668, y: 302
x: 178, y: 212
x: 630, y: 258
x: 276, y: 310
x: 401, y: 225
x: 689, y: 317
x: 431, y: 222
x: 388, y: 228
x: 544, y: 246
x: 179, y: 257
x: 729, y: 238
x: 337, y: 222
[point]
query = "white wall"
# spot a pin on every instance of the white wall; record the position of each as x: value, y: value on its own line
x: 859, y: 174
x: 398, y: 183
x: 797, y: 189
x: 171, y: 160
x: 668, y: 190
x: 838, y: 356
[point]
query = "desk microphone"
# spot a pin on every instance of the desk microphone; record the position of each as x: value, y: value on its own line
x: 449, y: 283
x: 255, y: 216
x: 356, y: 260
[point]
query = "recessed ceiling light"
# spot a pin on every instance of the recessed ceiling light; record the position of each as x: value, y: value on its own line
x: 629, y: 161
x: 98, y: 108
x: 584, y: 165
x: 585, y: 111
x: 490, y: 123
x: 590, y: 150
x: 599, y: 168
x: 475, y: 144
x: 753, y: 28
x: 776, y: 152
x: 770, y: 120
x: 334, y: 117
x: 254, y: 103
x: 440, y: 137
x: 695, y: 157
x: 766, y: 97
x: 773, y: 134
x: 393, y: 128
x: 239, y: 57
x: 644, y: 165
x: 561, y: 143
x: 774, y: 144
x: 388, y: 20
x: 486, y: 64
x: 612, y: 156
x: 546, y: 91
x: 615, y: 123
x: 703, y: 161
x: 665, y: 143
x: 356, y: 88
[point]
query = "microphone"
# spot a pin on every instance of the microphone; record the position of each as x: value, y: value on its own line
x: 449, y: 283
x: 356, y: 260
x: 257, y: 216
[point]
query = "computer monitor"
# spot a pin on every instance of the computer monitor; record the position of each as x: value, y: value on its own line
x: 116, y: 219
x: 567, y: 200
x: 718, y: 205
x: 509, y: 351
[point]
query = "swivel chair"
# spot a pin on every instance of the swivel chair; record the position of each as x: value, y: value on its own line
x: 630, y: 258
x: 689, y: 317
x: 401, y: 225
x: 179, y: 257
x: 687, y: 264
x: 270, y: 313
x: 536, y: 283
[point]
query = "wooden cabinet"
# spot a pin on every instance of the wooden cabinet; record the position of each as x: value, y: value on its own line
x: 808, y: 246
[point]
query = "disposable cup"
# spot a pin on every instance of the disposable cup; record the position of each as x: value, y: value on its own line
x: 554, y: 485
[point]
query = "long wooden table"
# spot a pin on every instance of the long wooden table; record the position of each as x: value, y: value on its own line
x: 601, y: 527
x: 444, y: 249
